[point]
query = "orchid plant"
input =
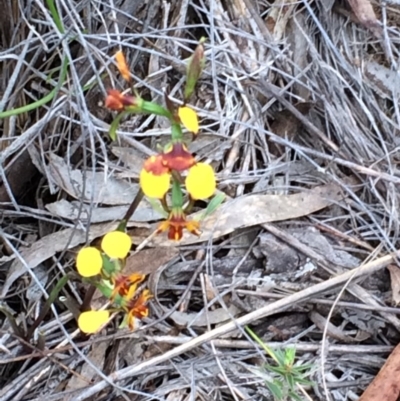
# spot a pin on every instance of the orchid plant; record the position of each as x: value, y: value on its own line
x: 173, y: 177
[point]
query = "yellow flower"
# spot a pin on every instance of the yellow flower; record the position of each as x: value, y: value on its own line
x: 200, y: 181
x: 189, y: 119
x: 91, y: 321
x: 89, y: 261
x: 116, y: 244
x: 155, y: 177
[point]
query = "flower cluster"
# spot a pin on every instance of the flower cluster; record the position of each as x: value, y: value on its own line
x: 104, y: 269
x: 174, y: 170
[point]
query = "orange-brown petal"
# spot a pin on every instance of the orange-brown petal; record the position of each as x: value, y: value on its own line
x: 155, y: 165
x: 178, y: 157
x: 116, y: 100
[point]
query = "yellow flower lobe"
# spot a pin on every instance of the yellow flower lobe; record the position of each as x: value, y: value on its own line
x: 200, y: 181
x: 89, y: 262
x: 116, y: 244
x: 91, y: 321
x: 189, y: 119
x: 154, y: 186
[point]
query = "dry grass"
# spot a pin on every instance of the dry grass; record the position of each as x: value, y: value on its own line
x: 292, y: 97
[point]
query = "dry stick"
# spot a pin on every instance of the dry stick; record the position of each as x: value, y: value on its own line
x: 267, y: 310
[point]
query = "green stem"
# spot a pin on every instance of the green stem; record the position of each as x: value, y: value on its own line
x: 177, y: 195
x: 56, y: 16
x: 43, y: 100
x: 12, y: 321
x: 176, y: 133
x: 154, y: 108
x: 52, y: 297
x: 267, y: 349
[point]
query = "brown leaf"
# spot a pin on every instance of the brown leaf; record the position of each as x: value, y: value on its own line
x: 90, y: 186
x: 386, y: 385
x: 149, y: 260
x: 366, y: 15
x: 395, y: 281
x: 252, y: 210
x: 332, y: 330
x: 97, y: 356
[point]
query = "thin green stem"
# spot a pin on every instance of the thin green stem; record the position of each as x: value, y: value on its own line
x: 43, y: 100
x: 56, y: 16
x: 267, y: 349
x: 52, y: 297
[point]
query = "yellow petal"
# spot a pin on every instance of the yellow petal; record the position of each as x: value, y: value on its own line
x: 116, y: 244
x: 154, y: 186
x: 91, y: 321
x: 200, y: 181
x: 189, y: 119
x: 122, y: 65
x: 89, y: 262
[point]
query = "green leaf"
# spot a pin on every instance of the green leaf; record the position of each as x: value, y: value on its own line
x: 290, y: 355
x: 276, y: 389
x: 155, y: 204
x: 194, y: 69
x: 294, y: 396
x: 290, y: 381
x: 55, y: 15
x: 213, y: 205
x: 114, y: 125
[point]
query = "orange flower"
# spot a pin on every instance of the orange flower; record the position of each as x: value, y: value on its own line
x: 177, y: 157
x: 137, y: 308
x: 122, y: 65
x: 126, y: 286
x: 116, y: 100
x: 176, y: 223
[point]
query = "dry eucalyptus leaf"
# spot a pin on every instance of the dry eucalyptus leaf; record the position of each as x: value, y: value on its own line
x: 148, y: 261
x: 77, y: 211
x: 383, y: 80
x: 48, y: 246
x: 33, y: 292
x: 332, y: 331
x: 386, y: 385
x: 252, y: 210
x: 395, y: 282
x: 92, y: 186
x: 278, y: 17
x: 202, y: 319
x: 132, y: 158
x: 97, y: 356
x: 366, y: 15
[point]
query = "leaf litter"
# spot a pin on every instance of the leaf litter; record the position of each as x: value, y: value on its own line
x: 310, y: 170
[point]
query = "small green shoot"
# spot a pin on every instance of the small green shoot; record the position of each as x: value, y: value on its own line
x: 286, y: 378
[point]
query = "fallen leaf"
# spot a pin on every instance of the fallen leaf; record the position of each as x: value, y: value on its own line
x: 252, y: 210
x: 386, y: 385
x: 382, y: 79
x: 149, y: 260
x: 204, y: 318
x: 97, y: 356
x: 278, y: 17
x: 93, y: 187
x: 366, y: 15
x: 395, y: 281
x: 77, y: 211
x: 48, y: 246
x: 332, y: 330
